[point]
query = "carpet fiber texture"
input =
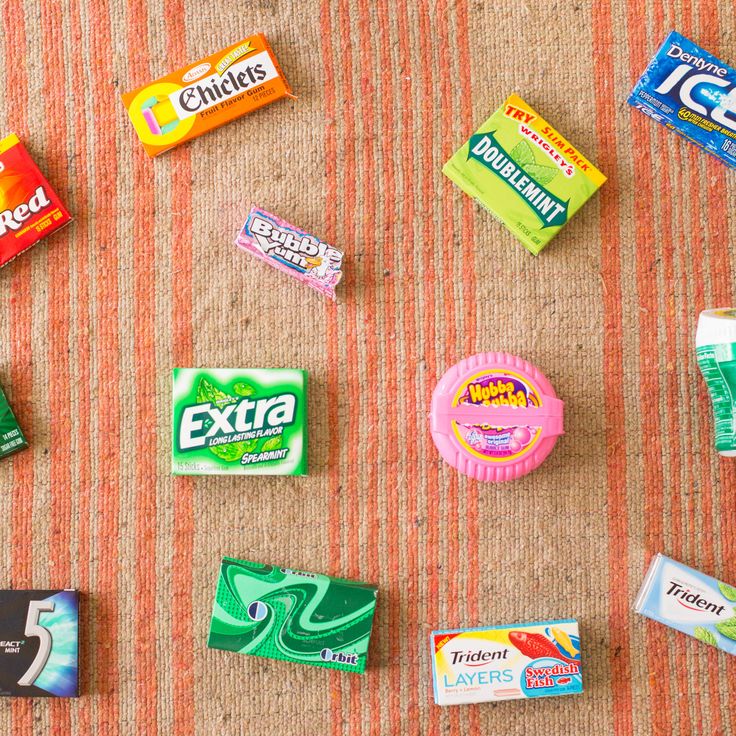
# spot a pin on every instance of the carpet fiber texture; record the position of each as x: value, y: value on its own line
x: 147, y: 278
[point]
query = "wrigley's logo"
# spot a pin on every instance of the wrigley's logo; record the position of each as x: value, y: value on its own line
x: 693, y: 601
x: 14, y: 219
x: 206, y: 425
x: 486, y: 149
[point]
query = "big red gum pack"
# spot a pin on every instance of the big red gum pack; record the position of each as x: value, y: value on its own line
x: 29, y: 208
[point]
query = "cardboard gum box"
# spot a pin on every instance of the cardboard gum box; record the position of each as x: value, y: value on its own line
x: 29, y: 208
x: 206, y: 94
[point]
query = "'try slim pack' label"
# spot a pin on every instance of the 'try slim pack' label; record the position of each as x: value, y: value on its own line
x: 693, y: 93
x: 506, y: 662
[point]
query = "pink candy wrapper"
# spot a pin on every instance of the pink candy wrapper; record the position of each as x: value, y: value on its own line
x: 291, y: 250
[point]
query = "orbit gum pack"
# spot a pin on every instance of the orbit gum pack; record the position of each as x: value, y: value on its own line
x: 29, y: 208
x: 239, y: 421
x: 206, y: 94
x: 291, y: 615
x: 524, y: 173
x: 531, y: 660
x: 693, y: 93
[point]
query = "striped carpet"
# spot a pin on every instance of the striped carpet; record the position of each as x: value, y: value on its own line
x: 147, y: 278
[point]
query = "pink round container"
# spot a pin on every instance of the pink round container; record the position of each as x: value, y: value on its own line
x: 495, y: 417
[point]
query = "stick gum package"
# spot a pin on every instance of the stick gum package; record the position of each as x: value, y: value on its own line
x: 693, y: 93
x: 206, y: 94
x: 29, y: 208
x: 531, y: 660
x: 524, y: 173
x: 689, y: 601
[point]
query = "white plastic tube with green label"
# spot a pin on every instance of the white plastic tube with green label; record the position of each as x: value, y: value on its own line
x: 715, y: 343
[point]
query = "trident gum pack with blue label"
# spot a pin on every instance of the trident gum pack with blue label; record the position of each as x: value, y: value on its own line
x: 689, y: 601
x: 693, y: 93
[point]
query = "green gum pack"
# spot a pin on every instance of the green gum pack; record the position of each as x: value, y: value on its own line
x: 11, y: 435
x: 249, y: 421
x: 525, y: 173
x: 291, y: 615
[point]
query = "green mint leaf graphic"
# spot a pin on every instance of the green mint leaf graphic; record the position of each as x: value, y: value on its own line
x: 523, y: 154
x: 706, y: 636
x: 234, y: 451
x: 274, y: 443
x: 243, y: 389
x: 208, y: 392
x: 727, y: 628
x: 541, y: 174
x: 727, y: 591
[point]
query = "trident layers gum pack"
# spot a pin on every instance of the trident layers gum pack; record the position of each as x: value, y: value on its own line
x: 206, y: 94
x: 29, y: 208
x: 692, y: 93
x: 525, y: 173
x: 244, y: 421
x: 291, y: 615
x: 689, y: 601
x: 531, y: 660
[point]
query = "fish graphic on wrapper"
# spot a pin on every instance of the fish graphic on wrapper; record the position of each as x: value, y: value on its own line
x: 536, y: 646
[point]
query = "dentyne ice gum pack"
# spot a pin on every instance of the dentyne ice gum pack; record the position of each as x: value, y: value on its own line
x: 524, y: 173
x: 39, y: 643
x: 495, y: 417
x: 12, y: 438
x: 689, y: 601
x: 291, y: 250
x: 291, y: 615
x: 206, y: 94
x: 693, y: 93
x: 531, y: 660
x: 29, y: 208
x: 248, y: 421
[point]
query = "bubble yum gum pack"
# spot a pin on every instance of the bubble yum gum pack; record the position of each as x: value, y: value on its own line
x: 29, y: 208
x: 239, y: 421
x: 525, y: 173
x: 206, y: 94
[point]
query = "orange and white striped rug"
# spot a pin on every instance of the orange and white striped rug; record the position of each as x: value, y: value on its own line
x: 147, y: 278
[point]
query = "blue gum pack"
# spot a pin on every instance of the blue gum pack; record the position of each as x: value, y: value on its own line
x: 693, y: 93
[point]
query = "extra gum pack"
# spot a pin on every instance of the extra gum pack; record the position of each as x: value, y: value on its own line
x: 29, y: 208
x: 206, y: 94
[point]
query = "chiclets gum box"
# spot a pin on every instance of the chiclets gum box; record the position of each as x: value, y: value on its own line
x: 206, y: 94
x: 530, y: 660
x: 692, y: 93
x: 246, y: 421
x: 525, y: 173
x: 39, y: 643
x: 29, y: 208
x: 291, y: 615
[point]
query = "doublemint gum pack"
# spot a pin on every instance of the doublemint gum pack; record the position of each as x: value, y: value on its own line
x: 239, y: 421
x: 11, y: 435
x: 689, y: 601
x: 291, y: 615
x: 525, y: 173
x: 693, y: 93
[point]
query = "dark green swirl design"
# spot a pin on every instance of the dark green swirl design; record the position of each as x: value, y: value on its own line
x: 302, y: 615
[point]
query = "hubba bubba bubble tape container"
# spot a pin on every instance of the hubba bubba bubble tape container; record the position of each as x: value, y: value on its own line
x: 495, y: 417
